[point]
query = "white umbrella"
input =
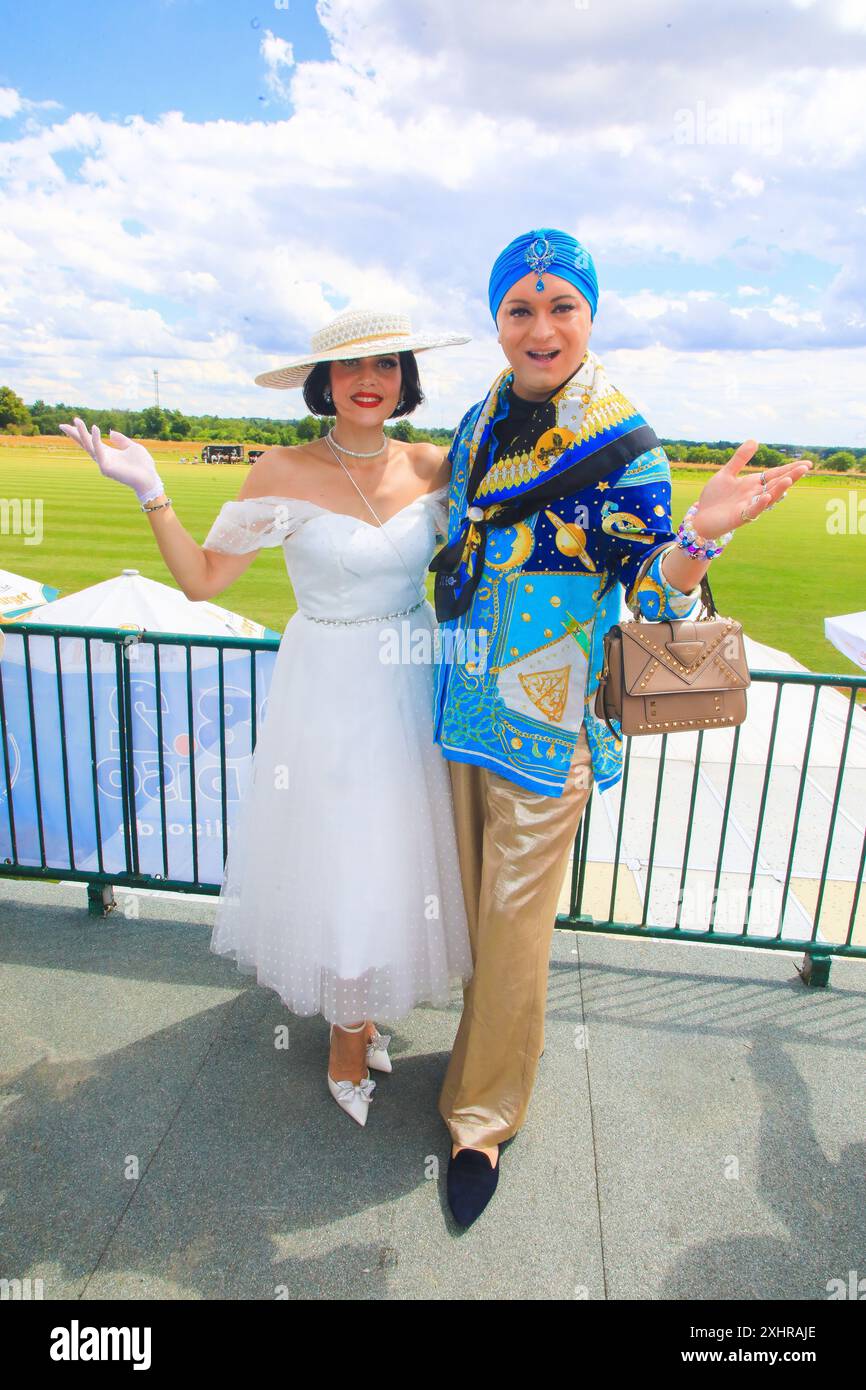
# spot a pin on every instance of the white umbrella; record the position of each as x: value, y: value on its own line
x: 138, y: 604
x: 18, y: 595
x: 848, y: 635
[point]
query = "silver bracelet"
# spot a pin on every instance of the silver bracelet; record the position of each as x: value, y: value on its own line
x: 145, y: 507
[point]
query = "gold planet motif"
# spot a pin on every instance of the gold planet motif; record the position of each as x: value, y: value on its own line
x: 570, y: 539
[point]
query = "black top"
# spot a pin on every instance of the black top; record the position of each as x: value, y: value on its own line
x: 507, y: 430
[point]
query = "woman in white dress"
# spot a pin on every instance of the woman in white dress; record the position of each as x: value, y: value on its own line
x: 342, y: 887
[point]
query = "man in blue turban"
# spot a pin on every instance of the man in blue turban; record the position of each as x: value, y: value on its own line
x: 545, y: 249
x: 560, y: 492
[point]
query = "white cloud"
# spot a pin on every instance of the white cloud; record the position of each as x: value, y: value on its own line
x: 433, y: 135
x: 747, y: 184
x: 12, y: 103
x: 739, y: 396
x: 851, y: 15
x: 278, y: 55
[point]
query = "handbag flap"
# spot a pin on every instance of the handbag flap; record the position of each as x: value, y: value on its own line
x: 656, y: 661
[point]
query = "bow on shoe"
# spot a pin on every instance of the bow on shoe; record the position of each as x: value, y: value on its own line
x: 346, y: 1089
x: 377, y: 1052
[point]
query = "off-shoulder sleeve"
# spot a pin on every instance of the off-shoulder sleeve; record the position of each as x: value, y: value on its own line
x: 257, y: 522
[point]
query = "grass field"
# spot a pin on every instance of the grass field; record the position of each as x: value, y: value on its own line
x: 780, y: 576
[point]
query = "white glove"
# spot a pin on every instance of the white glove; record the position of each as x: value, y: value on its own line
x: 131, y: 465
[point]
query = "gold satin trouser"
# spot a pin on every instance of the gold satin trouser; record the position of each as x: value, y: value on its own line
x: 513, y: 846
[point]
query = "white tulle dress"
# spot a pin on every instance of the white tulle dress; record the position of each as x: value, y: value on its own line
x: 342, y: 886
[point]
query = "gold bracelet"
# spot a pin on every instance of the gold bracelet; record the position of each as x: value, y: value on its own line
x: 146, y: 508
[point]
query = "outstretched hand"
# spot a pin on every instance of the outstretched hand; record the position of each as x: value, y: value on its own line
x: 131, y: 464
x: 731, y: 498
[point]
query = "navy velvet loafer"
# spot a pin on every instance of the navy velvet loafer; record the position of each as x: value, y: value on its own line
x: 471, y: 1183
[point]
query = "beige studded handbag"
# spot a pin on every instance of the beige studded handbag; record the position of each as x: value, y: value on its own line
x: 673, y: 676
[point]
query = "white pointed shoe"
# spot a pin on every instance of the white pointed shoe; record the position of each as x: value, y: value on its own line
x: 377, y: 1052
x: 352, y: 1097
x: 355, y: 1100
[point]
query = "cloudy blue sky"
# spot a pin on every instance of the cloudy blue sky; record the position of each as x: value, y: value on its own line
x: 196, y: 185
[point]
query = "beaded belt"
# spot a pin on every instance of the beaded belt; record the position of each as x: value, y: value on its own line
x: 350, y: 622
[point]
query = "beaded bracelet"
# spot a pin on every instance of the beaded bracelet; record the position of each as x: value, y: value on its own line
x: 698, y: 546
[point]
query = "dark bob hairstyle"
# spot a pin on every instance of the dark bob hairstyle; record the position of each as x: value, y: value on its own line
x: 319, y: 382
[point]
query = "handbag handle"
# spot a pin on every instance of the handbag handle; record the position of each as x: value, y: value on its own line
x: 707, y: 599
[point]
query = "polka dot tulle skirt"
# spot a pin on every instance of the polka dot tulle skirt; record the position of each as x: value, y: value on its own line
x: 342, y: 886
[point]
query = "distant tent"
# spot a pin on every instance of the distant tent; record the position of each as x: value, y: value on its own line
x: 222, y: 453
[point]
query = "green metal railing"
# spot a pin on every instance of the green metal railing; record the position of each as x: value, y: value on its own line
x: 817, y: 952
x: 100, y: 878
x: 123, y: 643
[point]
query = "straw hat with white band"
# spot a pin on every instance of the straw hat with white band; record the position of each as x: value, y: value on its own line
x: 357, y: 333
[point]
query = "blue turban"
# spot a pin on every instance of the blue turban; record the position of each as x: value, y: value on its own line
x: 544, y: 249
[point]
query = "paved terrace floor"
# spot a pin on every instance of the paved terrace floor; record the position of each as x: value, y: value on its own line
x: 708, y: 1142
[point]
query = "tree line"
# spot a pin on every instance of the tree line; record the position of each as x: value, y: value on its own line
x: 767, y: 455
x: 155, y: 423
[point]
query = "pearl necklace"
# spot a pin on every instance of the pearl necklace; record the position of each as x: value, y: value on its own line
x: 351, y: 452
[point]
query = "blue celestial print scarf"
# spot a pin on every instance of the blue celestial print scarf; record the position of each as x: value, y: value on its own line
x: 583, y: 432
